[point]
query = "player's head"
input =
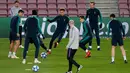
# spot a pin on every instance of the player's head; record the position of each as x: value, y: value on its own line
x: 92, y: 4
x: 62, y: 12
x: 112, y: 16
x: 71, y: 23
x: 20, y: 13
x: 16, y: 3
x: 81, y: 19
x: 34, y: 12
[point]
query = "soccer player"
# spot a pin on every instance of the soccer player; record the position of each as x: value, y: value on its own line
x: 14, y: 11
x: 72, y: 47
x: 86, y: 37
x: 117, y: 37
x: 14, y: 34
x: 32, y: 28
x: 62, y: 22
x: 93, y: 14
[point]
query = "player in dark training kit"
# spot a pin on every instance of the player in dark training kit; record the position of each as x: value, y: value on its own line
x: 93, y: 14
x: 86, y: 37
x: 62, y: 22
x: 14, y: 34
x: 32, y: 28
x: 117, y: 37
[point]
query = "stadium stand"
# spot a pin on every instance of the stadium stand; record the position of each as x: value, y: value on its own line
x: 73, y: 7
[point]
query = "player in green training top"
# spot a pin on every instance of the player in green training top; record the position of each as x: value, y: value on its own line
x: 93, y: 14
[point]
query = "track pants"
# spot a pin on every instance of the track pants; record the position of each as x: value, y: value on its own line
x: 84, y: 41
x: 70, y: 56
x: 97, y: 36
x: 57, y: 34
x: 26, y: 46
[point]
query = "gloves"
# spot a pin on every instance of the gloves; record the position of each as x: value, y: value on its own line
x: 43, y: 36
x: 100, y: 25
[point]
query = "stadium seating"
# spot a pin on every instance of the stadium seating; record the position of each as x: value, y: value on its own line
x: 73, y: 7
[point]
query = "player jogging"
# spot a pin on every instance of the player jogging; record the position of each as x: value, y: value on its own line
x: 14, y: 34
x: 86, y: 37
x: 62, y: 22
x: 117, y: 37
x: 32, y: 28
x: 72, y: 47
x: 93, y: 14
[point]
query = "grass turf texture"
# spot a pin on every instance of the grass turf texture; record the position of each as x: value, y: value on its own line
x: 57, y: 62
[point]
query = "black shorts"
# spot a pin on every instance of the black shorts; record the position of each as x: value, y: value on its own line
x: 13, y: 37
x: 116, y: 41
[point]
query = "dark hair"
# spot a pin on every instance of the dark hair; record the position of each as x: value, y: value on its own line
x: 82, y: 17
x: 34, y: 12
x: 62, y: 9
x: 93, y: 3
x: 16, y: 1
x: 113, y: 15
x: 20, y: 11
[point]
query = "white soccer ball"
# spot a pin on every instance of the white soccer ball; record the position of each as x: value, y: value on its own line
x: 44, y: 19
x: 35, y: 68
x: 43, y: 55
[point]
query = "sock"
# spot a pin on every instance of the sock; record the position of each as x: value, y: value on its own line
x: 90, y: 46
x: 113, y: 59
x: 14, y: 53
x: 10, y: 52
x: 124, y: 57
x: 86, y: 50
x: 36, y: 59
x: 98, y: 46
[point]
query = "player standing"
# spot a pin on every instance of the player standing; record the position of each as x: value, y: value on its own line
x: 14, y: 11
x: 93, y: 14
x: 72, y: 47
x: 32, y: 28
x: 86, y: 37
x: 117, y: 37
x: 14, y: 34
x: 62, y: 22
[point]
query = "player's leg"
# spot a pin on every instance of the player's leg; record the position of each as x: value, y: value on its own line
x: 114, y: 44
x: 11, y: 49
x: 82, y: 44
x: 37, y: 45
x: 26, y: 46
x: 90, y: 43
x: 55, y: 35
x: 42, y: 44
x: 122, y: 50
x: 97, y: 38
x: 59, y: 39
x: 16, y: 46
x: 20, y: 33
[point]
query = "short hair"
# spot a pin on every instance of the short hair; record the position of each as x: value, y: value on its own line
x: 20, y: 11
x: 34, y: 12
x: 82, y: 17
x: 62, y: 9
x: 16, y: 1
x: 93, y: 3
x: 113, y: 15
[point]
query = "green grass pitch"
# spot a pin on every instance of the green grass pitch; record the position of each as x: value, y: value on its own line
x: 57, y: 62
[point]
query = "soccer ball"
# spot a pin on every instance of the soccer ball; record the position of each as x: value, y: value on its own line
x: 35, y: 68
x: 43, y: 55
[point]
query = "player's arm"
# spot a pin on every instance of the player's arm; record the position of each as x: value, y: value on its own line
x: 25, y: 25
x: 72, y: 38
x: 17, y: 26
x: 123, y: 31
x: 108, y: 32
x: 53, y: 20
x: 100, y: 16
x: 67, y: 22
x: 85, y: 31
x: 39, y: 29
x: 86, y: 15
